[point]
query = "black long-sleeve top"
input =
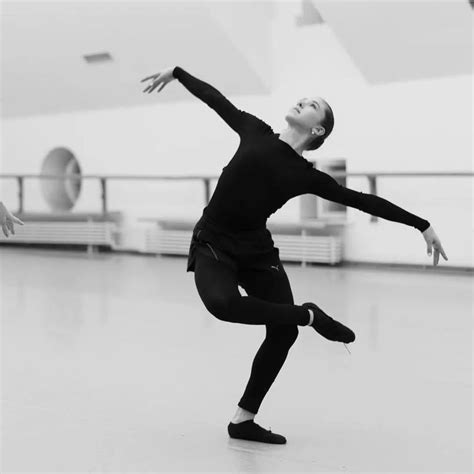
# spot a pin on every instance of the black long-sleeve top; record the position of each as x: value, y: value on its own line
x: 265, y: 172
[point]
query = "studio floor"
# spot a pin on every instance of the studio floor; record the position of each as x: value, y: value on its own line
x: 111, y: 363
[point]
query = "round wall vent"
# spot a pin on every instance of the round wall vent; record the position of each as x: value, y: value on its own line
x: 61, y: 195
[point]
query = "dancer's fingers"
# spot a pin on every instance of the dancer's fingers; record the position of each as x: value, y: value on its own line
x: 149, y: 77
x: 150, y: 88
x: 9, y: 224
x: 5, y: 230
x: 154, y: 86
x: 443, y: 253
x: 17, y: 221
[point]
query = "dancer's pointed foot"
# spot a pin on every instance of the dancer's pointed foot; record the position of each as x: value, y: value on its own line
x: 329, y: 327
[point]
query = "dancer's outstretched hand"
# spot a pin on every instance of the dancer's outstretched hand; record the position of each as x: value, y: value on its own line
x: 7, y: 219
x: 159, y: 78
x: 433, y: 241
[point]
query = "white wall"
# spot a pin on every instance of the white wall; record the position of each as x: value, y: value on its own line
x: 417, y: 126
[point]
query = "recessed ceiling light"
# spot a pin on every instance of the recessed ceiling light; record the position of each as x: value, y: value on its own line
x: 97, y: 58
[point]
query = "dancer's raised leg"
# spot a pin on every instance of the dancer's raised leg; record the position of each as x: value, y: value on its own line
x: 217, y: 285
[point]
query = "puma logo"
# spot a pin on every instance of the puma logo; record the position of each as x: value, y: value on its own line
x: 271, y: 266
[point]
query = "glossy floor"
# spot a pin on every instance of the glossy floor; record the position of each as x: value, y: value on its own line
x: 111, y: 363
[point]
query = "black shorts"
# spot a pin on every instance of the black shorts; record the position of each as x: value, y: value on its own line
x: 240, y: 249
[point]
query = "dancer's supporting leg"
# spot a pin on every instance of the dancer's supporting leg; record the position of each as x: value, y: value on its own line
x: 271, y: 286
x: 269, y: 292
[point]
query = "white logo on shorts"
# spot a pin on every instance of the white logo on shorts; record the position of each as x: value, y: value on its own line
x: 271, y: 266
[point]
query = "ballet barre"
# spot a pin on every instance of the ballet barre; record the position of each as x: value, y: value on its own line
x: 103, y: 180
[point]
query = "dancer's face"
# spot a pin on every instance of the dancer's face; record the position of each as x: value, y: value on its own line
x: 307, y: 114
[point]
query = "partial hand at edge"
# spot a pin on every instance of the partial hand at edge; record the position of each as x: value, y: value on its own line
x: 7, y: 219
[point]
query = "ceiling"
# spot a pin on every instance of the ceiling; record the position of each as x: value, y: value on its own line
x: 227, y: 42
x: 43, y: 43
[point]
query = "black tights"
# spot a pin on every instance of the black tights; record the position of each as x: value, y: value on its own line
x: 269, y: 302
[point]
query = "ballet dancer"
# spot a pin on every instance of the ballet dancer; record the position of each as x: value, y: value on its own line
x: 7, y: 219
x: 231, y: 245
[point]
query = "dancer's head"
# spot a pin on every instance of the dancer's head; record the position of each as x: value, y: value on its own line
x: 312, y: 116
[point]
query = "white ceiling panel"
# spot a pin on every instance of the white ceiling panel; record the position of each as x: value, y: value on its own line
x: 403, y: 40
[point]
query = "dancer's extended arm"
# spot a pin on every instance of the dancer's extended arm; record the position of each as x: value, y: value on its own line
x: 240, y: 121
x: 327, y: 187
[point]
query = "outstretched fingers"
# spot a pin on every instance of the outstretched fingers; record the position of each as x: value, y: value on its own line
x: 150, y: 77
x: 16, y: 220
x: 443, y: 253
x: 10, y: 227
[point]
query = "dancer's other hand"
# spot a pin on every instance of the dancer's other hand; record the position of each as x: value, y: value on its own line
x: 7, y: 219
x: 433, y: 242
x: 162, y: 78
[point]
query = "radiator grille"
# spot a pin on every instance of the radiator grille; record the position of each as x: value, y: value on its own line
x: 304, y: 248
x: 85, y: 233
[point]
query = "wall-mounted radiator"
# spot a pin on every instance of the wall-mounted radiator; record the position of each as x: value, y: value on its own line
x: 80, y: 233
x: 296, y: 248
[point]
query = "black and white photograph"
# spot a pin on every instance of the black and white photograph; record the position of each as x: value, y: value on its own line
x: 236, y: 236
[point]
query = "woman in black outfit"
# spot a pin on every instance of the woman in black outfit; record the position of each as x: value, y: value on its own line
x: 231, y: 245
